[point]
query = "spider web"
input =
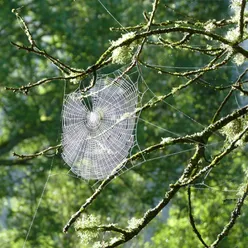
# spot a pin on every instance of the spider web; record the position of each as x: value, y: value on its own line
x: 98, y: 127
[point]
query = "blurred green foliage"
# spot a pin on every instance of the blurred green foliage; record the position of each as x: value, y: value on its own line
x: 77, y: 32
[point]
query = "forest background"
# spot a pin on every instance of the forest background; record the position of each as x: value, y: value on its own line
x: 78, y: 33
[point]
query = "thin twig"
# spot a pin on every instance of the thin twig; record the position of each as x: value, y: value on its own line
x: 195, y: 160
x: 149, y: 23
x: 209, y: 67
x: 241, y: 19
x: 192, y: 221
x: 25, y: 88
x: 236, y: 85
x: 60, y: 65
x: 108, y: 228
x: 35, y: 49
x: 30, y: 156
x: 234, y: 216
x: 25, y: 28
x: 185, y: 39
x: 206, y: 51
x: 222, y: 105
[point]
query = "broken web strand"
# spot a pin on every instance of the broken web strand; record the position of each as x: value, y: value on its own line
x: 113, y: 17
x: 39, y: 204
x: 50, y: 174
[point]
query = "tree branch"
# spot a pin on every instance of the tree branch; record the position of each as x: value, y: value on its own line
x: 222, y: 105
x: 216, y: 159
x: 152, y: 213
x: 43, y: 152
x: 192, y: 221
x: 184, y: 180
x: 35, y: 49
x: 234, y: 216
x: 147, y: 218
x: 209, y: 67
x: 104, y: 228
x: 241, y: 19
x: 104, y: 60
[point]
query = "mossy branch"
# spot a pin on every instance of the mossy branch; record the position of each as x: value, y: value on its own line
x: 105, y: 58
x: 198, y: 138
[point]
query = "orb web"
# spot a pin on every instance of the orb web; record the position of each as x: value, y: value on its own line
x: 98, y: 127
